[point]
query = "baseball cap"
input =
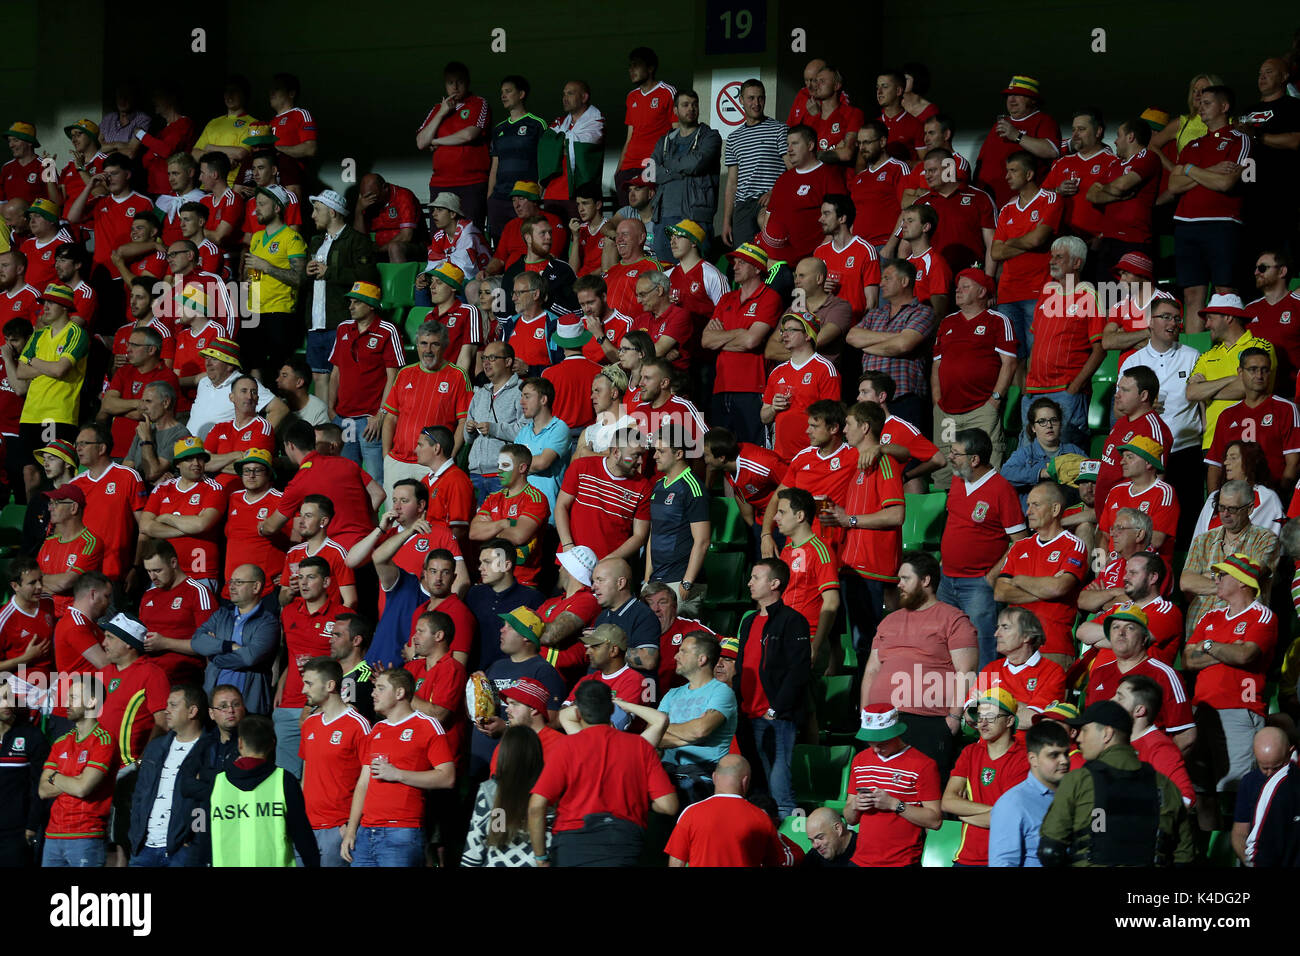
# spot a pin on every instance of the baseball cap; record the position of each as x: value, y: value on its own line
x: 68, y: 492
x: 580, y: 562
x: 526, y: 623
x: 528, y: 692
x: 331, y: 200
x: 606, y: 634
x: 1107, y: 713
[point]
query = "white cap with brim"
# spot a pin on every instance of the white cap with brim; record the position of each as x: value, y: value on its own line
x: 332, y: 200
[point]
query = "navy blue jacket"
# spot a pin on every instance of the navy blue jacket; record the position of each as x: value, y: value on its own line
x: 180, y: 826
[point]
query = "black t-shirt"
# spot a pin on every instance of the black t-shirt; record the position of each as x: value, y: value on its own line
x: 358, y: 690
x: 814, y: 859
x: 514, y: 145
x: 1277, y: 171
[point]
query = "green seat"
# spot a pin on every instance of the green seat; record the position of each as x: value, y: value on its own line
x: 13, y: 516
x: 724, y: 572
x: 923, y: 520
x: 1099, y: 406
x: 414, y: 319
x: 1098, y: 445
x: 721, y: 619
x: 1108, y: 372
x: 795, y: 828
x: 729, y: 531
x: 819, y: 774
x: 835, y: 708
x: 397, y: 280
x: 1011, y: 411
x: 1198, y: 340
x: 1220, y: 852
x: 941, y: 844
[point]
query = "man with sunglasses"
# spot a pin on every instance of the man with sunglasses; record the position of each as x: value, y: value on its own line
x: 1275, y: 315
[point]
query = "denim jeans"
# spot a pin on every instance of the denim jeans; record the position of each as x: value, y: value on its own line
x: 1021, y: 315
x: 1074, y: 415
x: 287, y: 735
x: 157, y: 856
x: 774, y: 740
x: 368, y: 454
x: 330, y: 841
x: 80, y: 853
x: 974, y: 598
x: 484, y: 486
x: 389, y: 846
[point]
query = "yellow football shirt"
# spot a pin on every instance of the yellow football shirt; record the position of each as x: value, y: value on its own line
x: 267, y: 293
x: 51, y: 399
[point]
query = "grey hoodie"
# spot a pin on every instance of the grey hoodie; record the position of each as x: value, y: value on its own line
x: 504, y: 417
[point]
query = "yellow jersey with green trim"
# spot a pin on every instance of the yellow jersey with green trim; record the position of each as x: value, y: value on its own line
x: 265, y: 292
x: 227, y: 131
x: 51, y: 399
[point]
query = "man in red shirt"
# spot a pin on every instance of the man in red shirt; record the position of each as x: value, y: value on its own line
x: 669, y: 326
x: 1141, y: 697
x: 834, y: 121
x: 26, y: 620
x: 970, y: 389
x: 331, y: 742
x: 135, y: 689
x: 228, y: 441
x: 294, y: 131
x: 1142, y: 576
x: 451, y: 491
x: 405, y: 755
x: 440, y: 679
x: 917, y: 225
x: 894, y: 793
x: 78, y: 778
x: 48, y: 234
x: 964, y: 237
x: 1275, y: 315
x: 1140, y: 460
x: 573, y: 375
x: 796, y: 385
x: 1022, y: 128
x: 71, y: 548
x: 1026, y: 225
x: 877, y: 188
x: 526, y: 198
x: 517, y: 513
x: 790, y: 224
x: 315, y: 515
x: 823, y: 469
x: 1136, y: 394
x: 121, y: 402
x: 462, y: 321
x: 1069, y: 349
x: 598, y: 771
x: 753, y: 472
x: 740, y: 326
x: 224, y: 226
x: 115, y: 498
x: 1074, y: 174
x: 366, y: 356
x: 1271, y: 422
x: 725, y: 829
x: 308, y: 623
x: 984, y: 771
x: 78, y: 639
x: 1043, y: 572
x: 432, y: 392
x: 112, y: 219
x: 852, y: 265
x: 1023, y: 670
x: 906, y: 133
x: 814, y: 589
x: 984, y: 519
x: 1207, y: 220
x: 172, y: 610
x: 247, y: 508
x: 20, y: 177
x: 649, y: 115
x: 1230, y: 650
x: 188, y: 510
x: 455, y: 131
x: 658, y: 408
x: 392, y: 215
x: 603, y: 503
x: 1126, y: 193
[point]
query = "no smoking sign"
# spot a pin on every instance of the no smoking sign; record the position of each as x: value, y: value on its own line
x: 727, y: 106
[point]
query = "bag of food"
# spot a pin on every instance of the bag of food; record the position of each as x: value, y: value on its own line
x: 480, y: 696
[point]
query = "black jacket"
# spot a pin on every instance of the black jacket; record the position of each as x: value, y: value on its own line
x: 181, y: 827
x: 559, y: 283
x: 295, y: 820
x: 1277, y: 841
x: 351, y: 258
x: 213, y: 757
x: 786, y: 667
x: 22, y: 756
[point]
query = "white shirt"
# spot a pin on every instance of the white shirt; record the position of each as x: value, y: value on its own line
x: 212, y: 404
x: 161, y: 813
x: 599, y: 436
x: 318, y: 286
x: 314, y: 412
x: 1173, y: 368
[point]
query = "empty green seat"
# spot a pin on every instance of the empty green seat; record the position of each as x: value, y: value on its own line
x: 724, y: 572
x: 730, y: 533
x: 836, y: 709
x: 13, y: 516
x: 397, y: 280
x: 414, y: 319
x: 1011, y: 411
x: 819, y: 774
x: 923, y: 520
x: 941, y: 844
x: 1200, y: 341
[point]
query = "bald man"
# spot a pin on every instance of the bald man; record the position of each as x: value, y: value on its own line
x: 832, y: 840
x: 1273, y: 751
x: 624, y: 261
x: 725, y: 829
x: 612, y: 584
x: 393, y: 214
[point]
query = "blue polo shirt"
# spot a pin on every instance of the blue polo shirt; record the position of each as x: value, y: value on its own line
x: 394, y: 628
x: 1014, y: 823
x: 487, y: 605
x: 554, y: 436
x: 683, y: 704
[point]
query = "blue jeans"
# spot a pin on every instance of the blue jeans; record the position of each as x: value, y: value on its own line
x: 80, y: 853
x: 157, y: 856
x: 287, y: 735
x: 320, y: 342
x: 1074, y: 415
x: 974, y: 598
x: 329, y: 841
x: 368, y: 454
x: 389, y: 846
x: 1021, y: 315
x: 483, y: 486
x: 774, y: 740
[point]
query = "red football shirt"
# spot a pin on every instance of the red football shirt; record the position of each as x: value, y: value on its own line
x: 420, y: 398
x: 74, y: 634
x: 1080, y: 217
x: 331, y: 755
x: 226, y: 437
x: 416, y: 742
x: 40, y: 258
x: 443, y: 685
x: 1153, y: 746
x: 1129, y: 220
x: 511, y: 246
x: 401, y: 210
x: 602, y: 770
x: 725, y: 830
x: 1278, y: 323
x: 306, y: 635
x: 1200, y: 203
x: 293, y: 127
x: 131, y: 697
x: 1123, y: 432
x: 898, y: 431
x: 464, y: 327
x: 1158, y: 501
x: 467, y: 164
x: 874, y: 553
x: 18, y: 628
x: 620, y: 285
x: 877, y: 196
x: 843, y: 124
x: 1045, y: 559
x: 1064, y: 331
x: 83, y: 553
x: 113, y: 219
x: 291, y: 214
x: 982, y: 516
x: 528, y: 339
x: 991, y: 164
x: 111, y: 502
x: 226, y: 208
x: 976, y: 344
x: 1274, y: 424
x: 1023, y: 276
x: 650, y: 115
x: 813, y: 380
x: 758, y: 473
x: 591, y: 247
x: 793, y: 231
x: 1164, y: 621
x: 987, y: 778
x: 1037, y: 683
x: 344, y: 483
x: 604, y: 505
x: 675, y: 323
x: 1223, y: 686
x: 177, y: 613
x: 81, y: 818
x: 670, y: 641
x: 854, y: 269
x: 745, y: 371
x: 886, y: 839
x: 363, y: 358
x: 199, y: 554
x: 813, y: 572
x: 933, y: 277
x: 1175, y: 709
x: 572, y: 378
x: 529, y: 503
x: 335, y: 555
x: 906, y: 134
x: 244, y: 545
x: 451, y: 495
x: 823, y: 476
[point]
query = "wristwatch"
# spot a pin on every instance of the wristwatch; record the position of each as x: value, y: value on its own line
x: 1021, y: 136
x: 686, y: 585
x: 1205, y: 646
x: 902, y: 808
x: 853, y: 521
x: 996, y: 396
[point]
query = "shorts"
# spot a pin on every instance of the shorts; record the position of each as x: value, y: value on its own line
x: 320, y: 342
x: 1206, y: 252
x: 34, y: 435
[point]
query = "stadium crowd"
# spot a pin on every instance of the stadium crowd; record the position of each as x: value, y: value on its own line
x: 921, y: 504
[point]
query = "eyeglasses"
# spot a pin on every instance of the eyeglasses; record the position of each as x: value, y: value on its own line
x: 229, y: 705
x: 1121, y: 527
x: 957, y: 454
x: 1047, y: 421
x: 493, y: 358
x: 1264, y: 268
x: 243, y: 582
x: 87, y: 444
x: 988, y: 720
x: 1231, y: 509
x: 178, y: 252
